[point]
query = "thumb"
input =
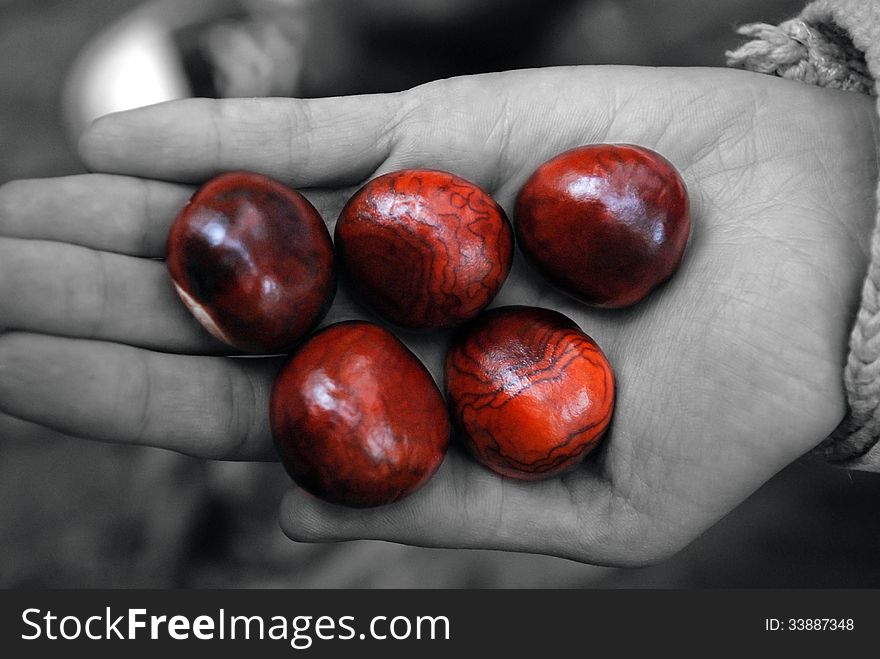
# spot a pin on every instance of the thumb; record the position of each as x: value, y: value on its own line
x: 489, y: 128
x: 326, y: 142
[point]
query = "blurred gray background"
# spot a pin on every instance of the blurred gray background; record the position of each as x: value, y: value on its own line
x: 81, y: 514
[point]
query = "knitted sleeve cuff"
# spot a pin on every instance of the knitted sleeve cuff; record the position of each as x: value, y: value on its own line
x: 836, y: 43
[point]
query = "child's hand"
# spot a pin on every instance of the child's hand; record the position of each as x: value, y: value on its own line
x: 726, y: 374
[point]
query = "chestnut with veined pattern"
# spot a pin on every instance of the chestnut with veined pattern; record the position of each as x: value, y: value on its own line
x: 529, y: 393
x: 253, y: 261
x: 424, y: 248
x: 357, y: 419
x: 606, y: 223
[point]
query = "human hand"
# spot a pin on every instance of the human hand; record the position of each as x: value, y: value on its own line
x: 725, y: 374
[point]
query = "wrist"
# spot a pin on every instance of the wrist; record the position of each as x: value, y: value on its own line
x: 836, y: 43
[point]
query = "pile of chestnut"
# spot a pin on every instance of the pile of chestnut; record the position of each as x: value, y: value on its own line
x: 357, y: 419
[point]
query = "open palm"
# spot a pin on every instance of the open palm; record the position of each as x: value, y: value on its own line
x: 725, y: 374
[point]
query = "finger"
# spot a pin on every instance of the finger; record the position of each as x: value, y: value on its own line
x: 323, y: 142
x: 211, y: 407
x: 110, y: 213
x: 54, y: 288
x: 481, y: 127
x: 466, y: 505
x: 24, y: 433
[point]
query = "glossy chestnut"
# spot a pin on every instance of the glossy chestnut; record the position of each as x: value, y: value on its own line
x: 529, y: 393
x: 356, y: 417
x: 607, y: 223
x: 424, y: 248
x: 253, y: 261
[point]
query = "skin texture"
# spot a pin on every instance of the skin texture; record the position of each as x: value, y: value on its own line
x: 253, y: 261
x: 606, y: 223
x: 424, y: 248
x: 530, y: 394
x: 728, y: 373
x: 357, y: 419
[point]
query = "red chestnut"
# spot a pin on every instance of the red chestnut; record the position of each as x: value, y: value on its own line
x: 424, y: 248
x: 529, y: 392
x: 253, y: 261
x: 606, y: 223
x: 357, y: 419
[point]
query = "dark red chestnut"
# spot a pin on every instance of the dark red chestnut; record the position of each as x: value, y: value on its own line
x: 606, y: 223
x: 424, y: 248
x: 529, y: 392
x: 253, y: 261
x: 357, y: 419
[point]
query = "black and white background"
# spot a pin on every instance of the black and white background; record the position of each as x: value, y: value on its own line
x: 82, y: 514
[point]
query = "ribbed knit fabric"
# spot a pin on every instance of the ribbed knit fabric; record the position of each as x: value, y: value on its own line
x: 836, y: 43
